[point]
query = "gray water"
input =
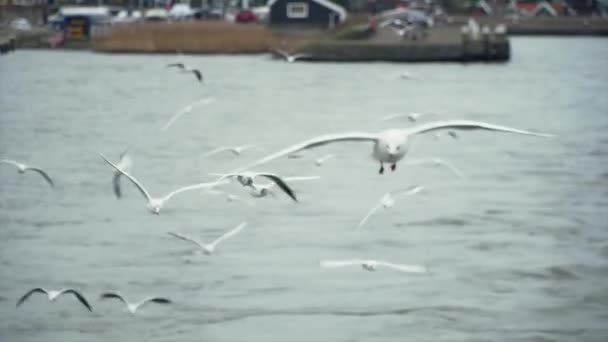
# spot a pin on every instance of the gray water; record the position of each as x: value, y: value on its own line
x: 518, y: 250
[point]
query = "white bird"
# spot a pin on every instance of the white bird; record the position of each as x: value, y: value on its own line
x: 154, y: 204
x: 406, y: 75
x: 319, y: 161
x: 132, y: 307
x: 125, y: 165
x: 22, y: 168
x: 372, y: 265
x: 290, y: 57
x: 184, y: 68
x: 263, y: 190
x: 412, y: 117
x: 236, y: 150
x: 53, y: 295
x: 388, y: 200
x: 210, y: 248
x: 185, y: 110
x: 247, y: 178
x: 389, y: 146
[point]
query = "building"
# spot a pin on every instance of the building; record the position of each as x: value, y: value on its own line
x: 305, y: 13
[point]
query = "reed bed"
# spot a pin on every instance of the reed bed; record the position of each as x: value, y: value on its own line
x: 187, y: 37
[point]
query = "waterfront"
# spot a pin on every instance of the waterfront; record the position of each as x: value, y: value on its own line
x: 519, y: 249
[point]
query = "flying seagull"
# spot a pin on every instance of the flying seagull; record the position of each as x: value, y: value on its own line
x: 185, y: 110
x: 390, y: 146
x: 290, y: 57
x: 124, y: 164
x: 388, y: 200
x: 372, y: 265
x: 154, y: 204
x: 184, y: 68
x: 132, y: 307
x: 22, y: 168
x: 263, y: 190
x: 53, y: 295
x: 247, y: 178
x: 236, y: 150
x: 210, y: 248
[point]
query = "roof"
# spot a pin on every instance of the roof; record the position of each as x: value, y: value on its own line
x: 325, y: 3
x: 545, y: 6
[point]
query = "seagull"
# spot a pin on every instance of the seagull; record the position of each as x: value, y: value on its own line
x: 289, y: 57
x: 21, y: 168
x: 390, y: 146
x: 236, y: 150
x: 319, y: 161
x: 156, y: 203
x: 53, y: 295
x: 372, y: 265
x: 210, y: 248
x: 124, y: 164
x: 263, y: 190
x: 184, y: 68
x: 410, y: 116
x: 406, y: 75
x: 132, y: 307
x: 388, y: 200
x: 185, y: 110
x: 247, y: 178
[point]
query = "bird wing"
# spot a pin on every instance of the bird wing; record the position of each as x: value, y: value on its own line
x: 468, y: 125
x: 281, y: 184
x: 29, y: 293
x: 404, y: 268
x: 116, y: 184
x: 185, y: 110
x: 392, y: 116
x: 300, y: 55
x: 194, y: 187
x: 216, y: 151
x: 140, y: 187
x: 281, y: 52
x: 369, y: 214
x: 340, y: 263
x: 8, y: 161
x: 198, y: 75
x: 314, y: 142
x: 79, y: 296
x: 300, y: 178
x: 186, y: 238
x: 109, y: 295
x: 43, y: 174
x: 159, y: 300
x: 410, y: 190
x: 229, y: 234
x: 178, y: 65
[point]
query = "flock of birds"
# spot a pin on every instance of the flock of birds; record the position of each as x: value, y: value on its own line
x: 389, y: 147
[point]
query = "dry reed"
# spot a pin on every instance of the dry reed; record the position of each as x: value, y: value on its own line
x: 187, y: 37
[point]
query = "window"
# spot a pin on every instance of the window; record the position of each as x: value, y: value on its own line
x: 297, y: 10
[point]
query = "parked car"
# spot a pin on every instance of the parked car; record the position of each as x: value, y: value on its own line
x: 245, y: 16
